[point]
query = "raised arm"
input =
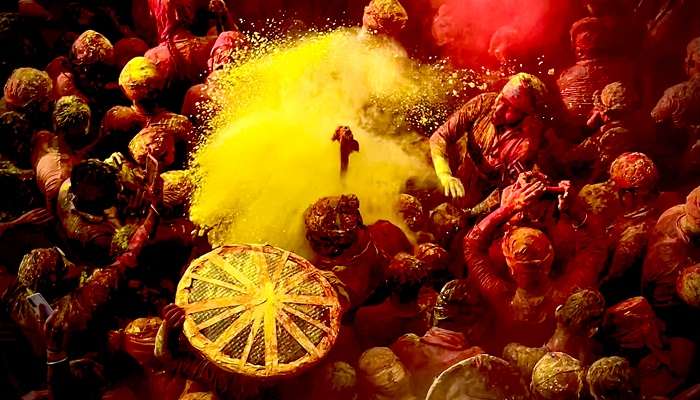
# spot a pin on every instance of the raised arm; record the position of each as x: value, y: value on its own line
x: 476, y: 243
x: 461, y: 121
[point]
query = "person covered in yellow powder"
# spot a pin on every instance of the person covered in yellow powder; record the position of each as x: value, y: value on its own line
x: 485, y: 144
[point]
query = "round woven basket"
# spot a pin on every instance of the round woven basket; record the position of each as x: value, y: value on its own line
x: 259, y: 311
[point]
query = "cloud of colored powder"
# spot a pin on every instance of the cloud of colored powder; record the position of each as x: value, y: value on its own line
x: 270, y: 153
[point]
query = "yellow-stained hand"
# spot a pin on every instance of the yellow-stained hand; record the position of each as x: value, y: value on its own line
x: 452, y: 186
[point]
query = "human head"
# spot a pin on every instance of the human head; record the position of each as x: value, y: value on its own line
x: 479, y: 377
x: 16, y: 137
x: 338, y: 381
x: 178, y: 187
x: 691, y: 220
x: 635, y: 177
x: 155, y: 140
x: 382, y: 375
x: 71, y: 118
x: 434, y: 257
x: 591, y: 38
x: 29, y: 91
x: 226, y: 49
x: 139, y: 340
x: 692, y: 60
x: 142, y: 82
x: 557, y: 376
x: 332, y: 224
x: 384, y: 17
x: 504, y: 44
x: 95, y: 186
x: 88, y: 375
x: 522, y: 95
x: 445, y: 222
x: 611, y: 378
x: 529, y: 255
x: 632, y: 324
x: 127, y: 48
x: 524, y: 358
x: 582, y: 312
x: 688, y: 285
x: 412, y: 212
x: 615, y: 101
x: 405, y: 275
x: 42, y: 270
x: 461, y: 308
x: 92, y: 58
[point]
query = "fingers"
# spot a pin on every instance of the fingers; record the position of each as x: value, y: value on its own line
x: 460, y: 188
x: 453, y: 188
x: 44, y: 312
x: 168, y: 310
x: 533, y: 190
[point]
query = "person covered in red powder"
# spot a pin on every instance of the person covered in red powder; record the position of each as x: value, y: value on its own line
x: 28, y: 91
x: 198, y: 104
x: 461, y: 308
x: 578, y: 320
x: 662, y: 362
x: 673, y: 246
x: 88, y: 71
x: 525, y: 296
x: 181, y: 56
x: 577, y: 238
x: 406, y: 310
x: 55, y: 153
x: 425, y: 357
x: 141, y: 83
x: 490, y: 140
x: 339, y: 238
x: 598, y: 64
x: 629, y: 202
x: 86, y: 210
x: 146, y: 124
x: 678, y: 114
x: 618, y: 126
x: 382, y: 376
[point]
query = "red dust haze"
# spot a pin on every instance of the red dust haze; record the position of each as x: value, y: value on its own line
x: 463, y: 28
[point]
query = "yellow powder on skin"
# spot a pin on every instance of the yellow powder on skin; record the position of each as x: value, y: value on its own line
x: 270, y: 155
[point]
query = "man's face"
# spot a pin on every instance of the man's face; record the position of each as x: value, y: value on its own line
x: 508, y: 110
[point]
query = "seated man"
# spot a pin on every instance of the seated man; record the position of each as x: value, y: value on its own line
x: 492, y: 138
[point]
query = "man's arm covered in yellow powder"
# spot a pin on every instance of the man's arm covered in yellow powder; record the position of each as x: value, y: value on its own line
x: 451, y: 131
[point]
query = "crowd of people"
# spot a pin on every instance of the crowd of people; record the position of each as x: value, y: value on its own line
x: 556, y: 256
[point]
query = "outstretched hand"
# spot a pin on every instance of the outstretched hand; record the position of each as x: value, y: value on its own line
x: 452, y: 186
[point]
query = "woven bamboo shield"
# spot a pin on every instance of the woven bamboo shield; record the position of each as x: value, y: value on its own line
x: 258, y: 311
